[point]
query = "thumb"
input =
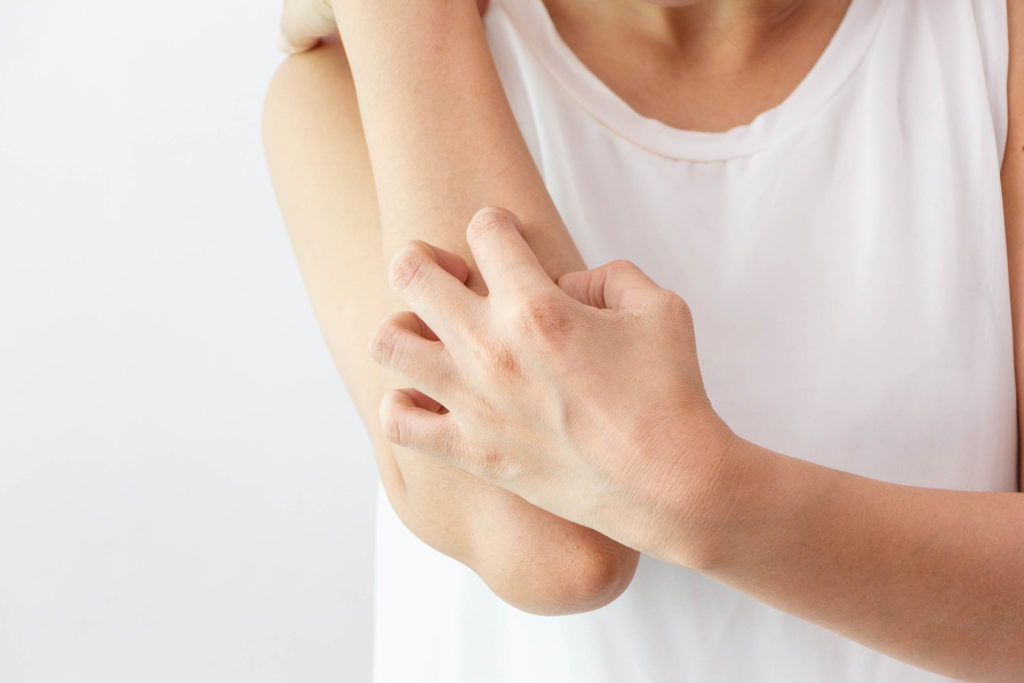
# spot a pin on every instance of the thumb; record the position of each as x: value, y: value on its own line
x: 304, y: 23
x: 613, y: 285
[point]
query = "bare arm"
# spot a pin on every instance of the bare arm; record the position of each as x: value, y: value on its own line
x: 441, y: 136
x: 932, y: 577
x: 321, y: 169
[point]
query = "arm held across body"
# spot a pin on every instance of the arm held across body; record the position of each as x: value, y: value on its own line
x: 356, y: 178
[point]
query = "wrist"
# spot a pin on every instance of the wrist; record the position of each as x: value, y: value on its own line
x: 689, y: 502
x: 753, y: 505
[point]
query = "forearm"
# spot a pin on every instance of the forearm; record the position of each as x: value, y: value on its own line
x: 932, y: 577
x: 443, y: 143
x: 441, y: 136
x: 929, y: 576
x: 322, y: 176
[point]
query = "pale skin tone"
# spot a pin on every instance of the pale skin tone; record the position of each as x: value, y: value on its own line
x: 449, y: 116
x: 931, y: 577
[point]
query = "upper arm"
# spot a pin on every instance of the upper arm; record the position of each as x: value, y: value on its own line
x: 1013, y: 197
x: 321, y: 172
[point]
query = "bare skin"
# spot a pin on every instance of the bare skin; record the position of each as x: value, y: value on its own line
x: 929, y: 576
x: 319, y: 160
x: 686, y: 65
x: 965, y: 548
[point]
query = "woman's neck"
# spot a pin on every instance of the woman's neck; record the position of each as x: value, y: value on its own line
x: 710, y: 65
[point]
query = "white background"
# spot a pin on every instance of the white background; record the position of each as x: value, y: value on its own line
x: 185, y: 490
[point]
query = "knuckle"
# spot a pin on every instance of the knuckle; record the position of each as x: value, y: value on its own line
x: 409, y: 266
x: 501, y: 360
x: 492, y: 464
x: 445, y: 376
x: 544, y: 318
x: 384, y: 344
x: 497, y: 358
x: 393, y: 424
x: 674, y: 306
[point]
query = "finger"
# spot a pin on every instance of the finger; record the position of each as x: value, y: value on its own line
x: 401, y: 345
x: 413, y: 322
x: 425, y: 402
x: 444, y: 303
x: 453, y: 263
x: 409, y: 421
x: 304, y: 23
x: 613, y: 285
x: 506, y: 261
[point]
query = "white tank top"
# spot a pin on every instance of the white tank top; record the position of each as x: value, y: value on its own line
x: 844, y: 257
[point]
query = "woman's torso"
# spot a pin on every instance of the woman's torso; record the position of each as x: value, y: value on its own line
x: 844, y: 259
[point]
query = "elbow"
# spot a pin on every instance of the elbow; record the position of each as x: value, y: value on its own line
x: 529, y: 558
x: 585, y: 573
x: 537, y: 562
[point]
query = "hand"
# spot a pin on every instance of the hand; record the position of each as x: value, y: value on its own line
x: 305, y: 22
x: 584, y: 397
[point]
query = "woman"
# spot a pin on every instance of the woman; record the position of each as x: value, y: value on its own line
x: 820, y: 182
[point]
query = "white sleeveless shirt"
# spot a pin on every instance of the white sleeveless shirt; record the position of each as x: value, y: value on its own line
x: 844, y: 258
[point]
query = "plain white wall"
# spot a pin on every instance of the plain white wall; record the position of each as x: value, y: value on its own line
x: 185, y: 489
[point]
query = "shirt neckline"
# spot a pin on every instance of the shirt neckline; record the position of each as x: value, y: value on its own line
x: 834, y: 67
